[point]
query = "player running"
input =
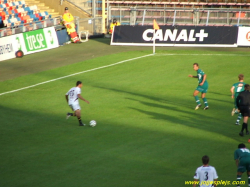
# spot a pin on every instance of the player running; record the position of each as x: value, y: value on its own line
x: 235, y: 90
x: 242, y: 159
x: 202, y: 87
x: 72, y: 97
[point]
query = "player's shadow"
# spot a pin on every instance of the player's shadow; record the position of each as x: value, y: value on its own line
x: 224, y: 101
x: 171, y: 106
x: 193, y: 121
x: 219, y: 93
x: 166, y: 100
x: 192, y: 118
x: 227, y: 99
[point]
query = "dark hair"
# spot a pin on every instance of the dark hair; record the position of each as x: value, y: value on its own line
x: 205, y: 159
x: 78, y: 82
x: 241, y: 145
x: 196, y: 64
x: 66, y: 8
x: 114, y: 20
x: 247, y: 87
x: 241, y: 76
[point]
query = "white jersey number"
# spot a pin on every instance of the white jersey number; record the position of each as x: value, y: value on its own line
x: 71, y: 93
x: 206, y: 176
x: 245, y: 150
x: 239, y: 89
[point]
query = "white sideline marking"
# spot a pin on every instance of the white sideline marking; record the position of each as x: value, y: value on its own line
x: 159, y: 54
x: 75, y: 74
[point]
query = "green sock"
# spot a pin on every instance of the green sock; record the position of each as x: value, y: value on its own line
x: 238, y: 180
x: 205, y: 101
x: 239, y: 117
x: 197, y: 100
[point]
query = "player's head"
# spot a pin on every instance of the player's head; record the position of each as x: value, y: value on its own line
x: 114, y: 20
x: 66, y: 9
x: 241, y: 145
x: 196, y: 66
x: 247, y: 87
x: 79, y: 83
x: 205, y: 160
x: 241, y: 77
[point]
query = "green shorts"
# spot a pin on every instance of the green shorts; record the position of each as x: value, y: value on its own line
x: 202, y: 89
x: 244, y: 165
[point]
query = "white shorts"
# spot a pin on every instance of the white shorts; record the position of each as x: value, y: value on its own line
x: 75, y: 106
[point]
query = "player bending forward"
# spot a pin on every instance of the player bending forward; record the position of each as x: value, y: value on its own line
x: 72, y: 97
x: 242, y: 159
x: 206, y: 174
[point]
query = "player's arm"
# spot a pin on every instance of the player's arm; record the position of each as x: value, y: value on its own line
x: 215, y: 177
x: 215, y: 182
x: 204, y: 78
x: 195, y: 181
x: 67, y: 98
x: 237, y: 162
x: 192, y: 76
x: 232, y: 91
x: 79, y: 96
x: 196, y: 178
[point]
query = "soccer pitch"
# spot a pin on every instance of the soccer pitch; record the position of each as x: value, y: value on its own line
x: 147, y: 134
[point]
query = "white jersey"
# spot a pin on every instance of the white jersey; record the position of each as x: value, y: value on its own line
x: 206, y: 175
x: 73, y: 95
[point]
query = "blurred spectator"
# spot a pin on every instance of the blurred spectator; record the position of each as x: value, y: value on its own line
x: 68, y: 21
x: 115, y: 23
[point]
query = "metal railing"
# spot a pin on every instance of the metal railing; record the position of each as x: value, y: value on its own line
x: 92, y: 25
x: 179, y: 16
x: 30, y: 26
x: 79, y: 7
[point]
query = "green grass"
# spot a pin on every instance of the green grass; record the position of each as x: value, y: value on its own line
x: 147, y: 134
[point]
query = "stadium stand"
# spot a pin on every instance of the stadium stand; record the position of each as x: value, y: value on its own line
x: 16, y: 13
x: 18, y: 16
x: 186, y: 3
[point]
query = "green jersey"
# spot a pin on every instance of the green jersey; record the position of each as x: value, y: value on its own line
x: 200, y: 75
x: 238, y: 87
x: 242, y: 153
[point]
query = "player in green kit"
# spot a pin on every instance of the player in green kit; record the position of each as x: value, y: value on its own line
x: 235, y: 90
x: 202, y: 87
x: 242, y: 159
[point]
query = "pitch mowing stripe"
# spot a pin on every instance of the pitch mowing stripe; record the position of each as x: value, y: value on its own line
x: 117, y: 63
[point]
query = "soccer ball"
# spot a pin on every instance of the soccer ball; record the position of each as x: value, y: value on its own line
x: 92, y: 123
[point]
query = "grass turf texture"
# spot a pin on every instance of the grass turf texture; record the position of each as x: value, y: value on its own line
x: 147, y: 133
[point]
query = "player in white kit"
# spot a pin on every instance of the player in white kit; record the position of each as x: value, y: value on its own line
x: 72, y: 97
x: 206, y: 174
